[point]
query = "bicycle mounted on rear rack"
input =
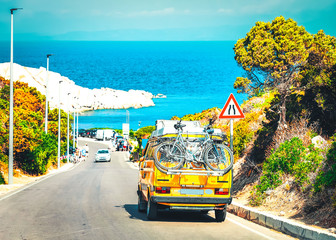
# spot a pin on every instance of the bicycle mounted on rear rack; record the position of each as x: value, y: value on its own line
x: 200, y: 153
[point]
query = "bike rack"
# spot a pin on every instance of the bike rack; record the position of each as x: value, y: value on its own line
x: 195, y: 172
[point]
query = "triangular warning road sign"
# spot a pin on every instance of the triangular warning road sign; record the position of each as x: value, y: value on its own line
x: 231, y: 109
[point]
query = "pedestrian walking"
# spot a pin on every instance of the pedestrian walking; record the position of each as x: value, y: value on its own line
x: 77, y: 155
x: 83, y: 152
x: 125, y: 146
x: 86, y: 147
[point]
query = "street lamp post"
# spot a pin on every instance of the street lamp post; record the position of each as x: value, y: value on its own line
x: 77, y: 129
x: 68, y: 129
x: 11, y: 107
x: 74, y: 128
x: 127, y: 116
x: 46, y: 108
x: 59, y: 125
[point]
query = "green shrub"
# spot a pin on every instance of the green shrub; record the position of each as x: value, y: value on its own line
x: 242, y: 135
x: 257, y: 198
x: 2, y: 179
x: 141, y: 133
x: 327, y: 176
x: 285, y: 157
x: 290, y: 158
x: 37, y: 161
x: 242, y: 132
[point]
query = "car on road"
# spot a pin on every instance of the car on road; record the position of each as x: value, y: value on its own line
x: 81, y: 132
x: 103, y: 155
x: 87, y: 133
x: 108, y: 134
x: 93, y: 133
x: 104, y: 134
x: 119, y: 138
x: 100, y: 135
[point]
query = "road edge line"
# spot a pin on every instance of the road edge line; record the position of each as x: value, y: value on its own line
x: 249, y: 229
x: 42, y: 178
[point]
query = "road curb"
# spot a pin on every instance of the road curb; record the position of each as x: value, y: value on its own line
x: 280, y: 224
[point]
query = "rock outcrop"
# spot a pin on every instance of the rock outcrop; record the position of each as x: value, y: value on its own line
x: 73, y: 97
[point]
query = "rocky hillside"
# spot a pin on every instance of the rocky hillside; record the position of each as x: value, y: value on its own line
x: 289, y: 173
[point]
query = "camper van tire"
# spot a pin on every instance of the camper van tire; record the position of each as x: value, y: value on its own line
x: 141, y: 202
x: 220, y: 215
x: 151, y: 209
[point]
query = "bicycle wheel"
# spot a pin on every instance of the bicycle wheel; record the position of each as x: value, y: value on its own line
x: 168, y: 156
x: 218, y: 157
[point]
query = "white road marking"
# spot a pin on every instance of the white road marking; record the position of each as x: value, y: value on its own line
x: 32, y: 184
x: 250, y: 229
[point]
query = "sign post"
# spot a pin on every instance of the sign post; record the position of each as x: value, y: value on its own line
x: 231, y: 134
x: 125, y: 130
x: 231, y: 110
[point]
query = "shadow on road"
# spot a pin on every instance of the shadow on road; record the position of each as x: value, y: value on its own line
x: 132, y: 210
x: 170, y: 216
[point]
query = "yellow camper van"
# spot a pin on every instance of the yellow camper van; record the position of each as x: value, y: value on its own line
x: 185, y: 167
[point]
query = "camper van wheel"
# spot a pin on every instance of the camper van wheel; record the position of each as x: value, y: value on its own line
x: 151, y: 209
x: 141, y: 203
x: 220, y: 215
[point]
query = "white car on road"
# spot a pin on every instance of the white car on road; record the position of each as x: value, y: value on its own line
x: 103, y: 155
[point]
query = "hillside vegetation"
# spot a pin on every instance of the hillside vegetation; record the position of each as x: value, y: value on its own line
x: 34, y: 151
x: 285, y: 148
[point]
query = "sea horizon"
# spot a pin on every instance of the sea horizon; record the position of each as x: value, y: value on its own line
x: 194, y: 75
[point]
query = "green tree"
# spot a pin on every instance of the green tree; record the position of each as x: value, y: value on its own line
x: 320, y: 81
x: 141, y: 133
x: 272, y: 56
x: 33, y: 149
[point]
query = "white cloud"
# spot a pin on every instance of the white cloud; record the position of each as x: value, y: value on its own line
x: 225, y: 11
x: 163, y: 12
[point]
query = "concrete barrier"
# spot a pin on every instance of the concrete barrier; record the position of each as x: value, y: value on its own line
x: 280, y: 224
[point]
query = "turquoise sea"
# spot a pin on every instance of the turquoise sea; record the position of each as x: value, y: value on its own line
x: 193, y: 75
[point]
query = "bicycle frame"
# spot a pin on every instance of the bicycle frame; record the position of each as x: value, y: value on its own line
x: 191, y: 155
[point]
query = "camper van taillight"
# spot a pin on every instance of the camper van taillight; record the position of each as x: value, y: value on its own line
x: 222, y: 191
x: 162, y: 189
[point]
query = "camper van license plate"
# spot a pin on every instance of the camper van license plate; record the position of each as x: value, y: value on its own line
x: 192, y: 191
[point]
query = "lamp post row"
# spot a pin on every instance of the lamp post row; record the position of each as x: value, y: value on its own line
x: 11, y: 105
x: 11, y: 112
x: 47, y: 89
x: 59, y: 125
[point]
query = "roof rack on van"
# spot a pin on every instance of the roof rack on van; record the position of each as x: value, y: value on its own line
x: 163, y: 127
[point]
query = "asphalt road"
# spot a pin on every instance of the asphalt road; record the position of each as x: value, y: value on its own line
x: 99, y: 201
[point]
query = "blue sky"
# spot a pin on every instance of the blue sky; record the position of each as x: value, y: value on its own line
x: 153, y: 20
